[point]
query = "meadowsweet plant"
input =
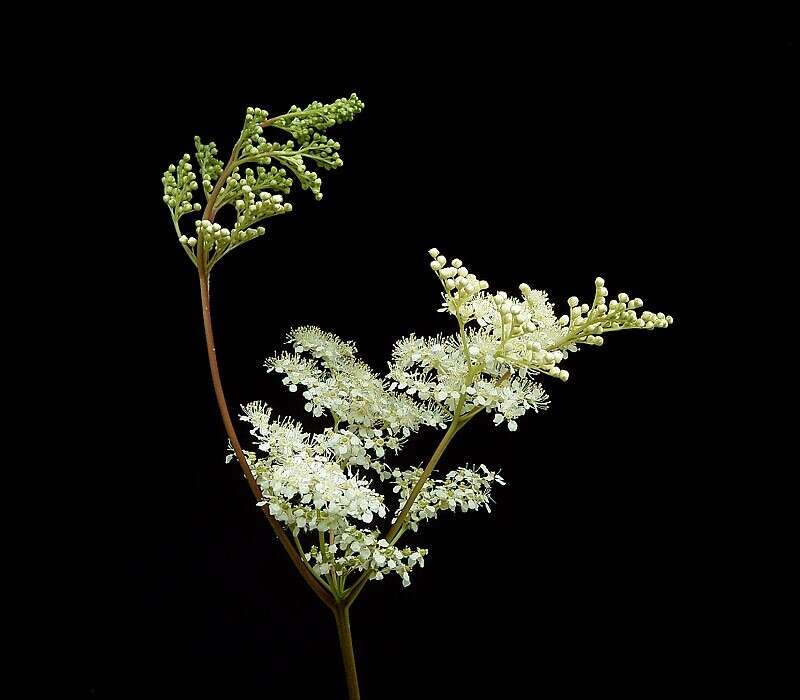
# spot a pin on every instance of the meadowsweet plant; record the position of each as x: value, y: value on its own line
x: 339, y: 499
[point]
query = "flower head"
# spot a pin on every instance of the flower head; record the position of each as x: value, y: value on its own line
x: 325, y: 481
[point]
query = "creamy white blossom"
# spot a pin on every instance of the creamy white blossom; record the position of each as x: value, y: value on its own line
x: 462, y: 489
x: 502, y: 342
x: 355, y: 550
x: 336, y: 383
x: 325, y: 485
x: 437, y: 369
x: 320, y: 482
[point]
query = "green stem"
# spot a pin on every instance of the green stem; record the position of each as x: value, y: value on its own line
x: 342, y: 615
x: 455, y: 426
x: 399, y: 524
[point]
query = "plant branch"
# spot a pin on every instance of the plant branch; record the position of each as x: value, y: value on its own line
x: 209, y: 212
x: 399, y: 522
x: 272, y: 120
x: 398, y: 527
x: 455, y: 426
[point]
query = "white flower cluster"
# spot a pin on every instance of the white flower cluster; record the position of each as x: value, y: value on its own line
x: 356, y: 451
x: 436, y: 369
x: 338, y: 384
x: 304, y: 488
x: 501, y: 340
x: 462, y: 489
x: 317, y: 482
x: 525, y: 330
x: 309, y: 484
x: 281, y: 439
x: 355, y: 550
x: 320, y: 486
x: 508, y: 400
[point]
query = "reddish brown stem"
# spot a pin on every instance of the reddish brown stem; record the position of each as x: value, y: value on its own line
x: 323, y: 594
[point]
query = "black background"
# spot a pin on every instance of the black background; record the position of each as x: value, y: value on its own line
x: 601, y: 566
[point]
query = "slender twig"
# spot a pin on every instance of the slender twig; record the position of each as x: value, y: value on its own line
x: 455, y: 426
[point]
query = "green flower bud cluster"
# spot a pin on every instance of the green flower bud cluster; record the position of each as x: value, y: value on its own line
x: 257, y: 207
x: 321, y: 149
x: 587, y: 323
x: 308, y: 179
x: 218, y: 240
x: 253, y: 128
x: 210, y: 166
x: 324, y: 151
x: 179, y: 182
x: 274, y: 179
x: 302, y: 124
x: 259, y: 150
x: 258, y: 194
